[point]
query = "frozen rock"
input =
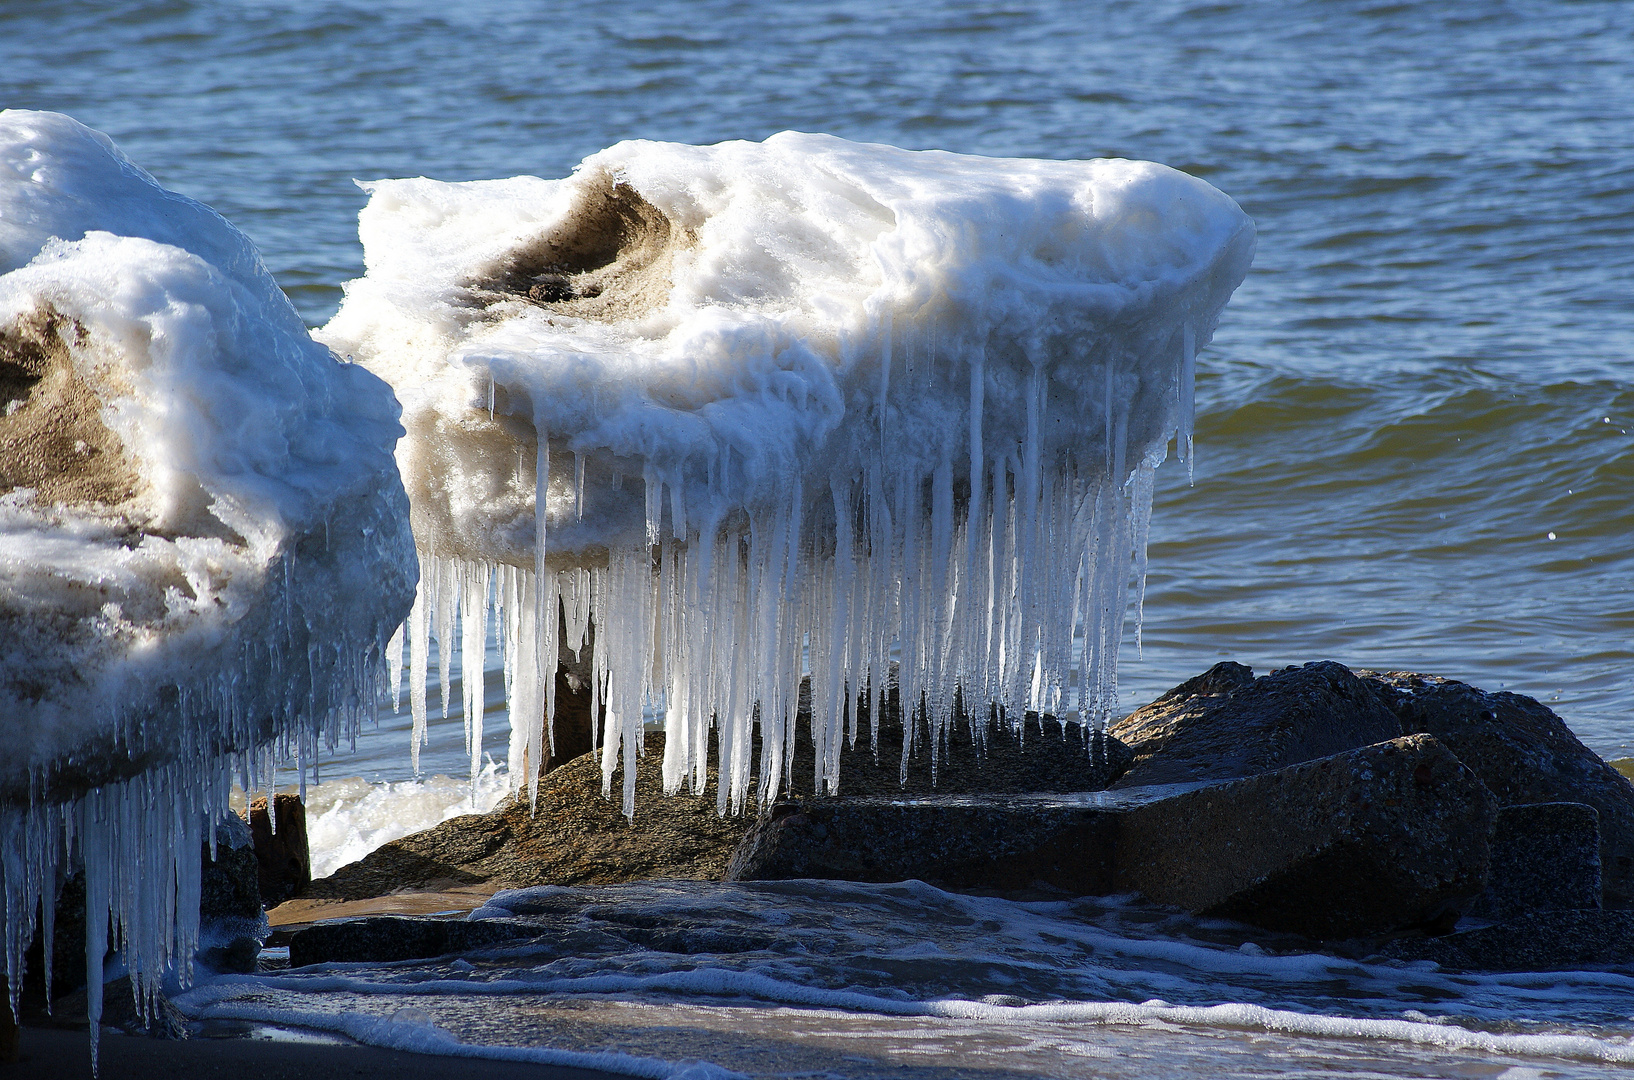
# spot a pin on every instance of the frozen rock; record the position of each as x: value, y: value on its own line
x: 1225, y: 723
x: 203, y: 538
x: 1525, y: 754
x: 762, y: 410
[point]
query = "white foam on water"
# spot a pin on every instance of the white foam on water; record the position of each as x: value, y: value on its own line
x: 225, y: 608
x: 348, y: 818
x: 758, y: 411
x: 959, y: 981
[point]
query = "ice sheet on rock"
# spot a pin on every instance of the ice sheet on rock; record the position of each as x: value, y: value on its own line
x: 759, y: 410
x: 202, y: 539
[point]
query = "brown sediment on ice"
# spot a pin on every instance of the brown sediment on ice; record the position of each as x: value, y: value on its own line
x: 609, y: 260
x: 52, y: 438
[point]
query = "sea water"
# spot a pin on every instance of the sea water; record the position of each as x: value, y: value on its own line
x: 1413, y: 425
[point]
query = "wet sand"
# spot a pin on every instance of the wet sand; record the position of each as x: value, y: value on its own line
x: 65, y: 1054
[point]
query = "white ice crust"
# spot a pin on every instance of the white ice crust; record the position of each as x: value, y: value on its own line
x: 238, y: 602
x: 971, y: 364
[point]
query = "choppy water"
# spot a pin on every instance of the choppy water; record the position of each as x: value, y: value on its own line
x: 1414, y: 441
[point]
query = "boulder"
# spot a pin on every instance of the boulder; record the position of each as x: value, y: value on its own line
x: 1225, y: 723
x: 1545, y: 857
x: 573, y: 835
x: 1525, y: 754
x: 1391, y: 835
x: 1538, y: 941
x: 383, y: 939
x: 1376, y: 839
x: 576, y: 836
x: 282, y: 856
x: 232, y: 924
x: 999, y: 843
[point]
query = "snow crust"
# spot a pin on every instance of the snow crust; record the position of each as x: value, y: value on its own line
x: 211, y: 587
x: 759, y: 410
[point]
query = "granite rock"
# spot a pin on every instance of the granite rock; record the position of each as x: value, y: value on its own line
x: 1225, y: 723
x: 1388, y: 836
x: 997, y: 843
x: 1525, y: 754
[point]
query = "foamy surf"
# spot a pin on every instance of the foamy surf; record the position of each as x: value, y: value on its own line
x: 858, y: 981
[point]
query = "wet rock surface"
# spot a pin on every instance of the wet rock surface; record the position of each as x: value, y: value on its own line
x: 1537, y: 941
x: 1525, y: 754
x: 1545, y: 857
x: 1389, y: 836
x: 1225, y: 723
x: 573, y: 835
x: 389, y: 938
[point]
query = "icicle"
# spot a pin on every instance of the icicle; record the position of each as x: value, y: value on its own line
x: 1188, y: 397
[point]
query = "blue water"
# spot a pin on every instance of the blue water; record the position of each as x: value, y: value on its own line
x: 1414, y: 438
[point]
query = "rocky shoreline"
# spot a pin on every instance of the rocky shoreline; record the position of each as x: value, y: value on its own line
x: 1372, y: 813
x: 1385, y: 815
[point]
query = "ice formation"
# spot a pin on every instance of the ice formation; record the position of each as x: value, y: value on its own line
x: 203, y: 539
x: 763, y: 410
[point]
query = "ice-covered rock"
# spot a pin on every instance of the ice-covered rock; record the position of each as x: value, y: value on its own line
x: 759, y: 409
x: 203, y: 539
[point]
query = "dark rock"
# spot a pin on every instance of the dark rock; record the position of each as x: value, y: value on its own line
x: 1387, y: 836
x: 1539, y: 941
x: 1545, y: 857
x: 576, y: 836
x: 231, y: 922
x: 283, y: 858
x: 1525, y: 754
x: 229, y: 887
x: 387, y: 938
x: 1004, y: 843
x: 1225, y: 723
x: 976, y: 754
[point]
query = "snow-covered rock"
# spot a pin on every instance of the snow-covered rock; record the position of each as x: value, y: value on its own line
x: 802, y: 405
x: 203, y: 536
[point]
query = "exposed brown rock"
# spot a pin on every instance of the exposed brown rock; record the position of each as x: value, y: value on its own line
x: 283, y: 858
x: 52, y: 438
x: 573, y: 836
x: 1525, y: 754
x: 1225, y: 723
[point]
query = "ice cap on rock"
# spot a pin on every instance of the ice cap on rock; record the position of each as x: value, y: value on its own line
x: 760, y: 410
x: 203, y: 537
